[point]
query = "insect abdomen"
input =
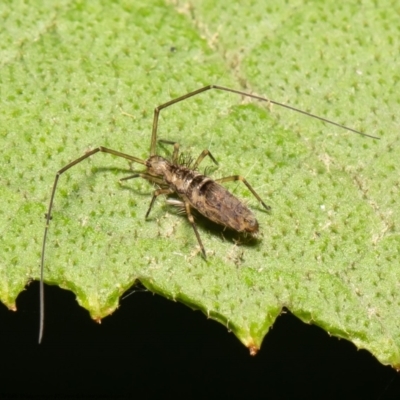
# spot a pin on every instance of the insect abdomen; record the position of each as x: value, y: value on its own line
x: 219, y: 205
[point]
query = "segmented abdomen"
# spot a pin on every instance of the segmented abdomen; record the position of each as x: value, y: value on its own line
x: 212, y: 200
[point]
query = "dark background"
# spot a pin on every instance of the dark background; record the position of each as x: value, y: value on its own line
x: 154, y: 347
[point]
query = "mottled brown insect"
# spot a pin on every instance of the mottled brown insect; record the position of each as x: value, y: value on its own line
x: 180, y: 177
x: 199, y: 192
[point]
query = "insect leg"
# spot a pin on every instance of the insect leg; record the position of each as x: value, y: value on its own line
x: 48, y: 215
x: 177, y: 203
x: 157, y: 193
x: 201, y: 157
x: 175, y: 154
x: 153, y: 179
x: 240, y: 178
x: 196, y: 232
x: 146, y: 176
x: 186, y: 204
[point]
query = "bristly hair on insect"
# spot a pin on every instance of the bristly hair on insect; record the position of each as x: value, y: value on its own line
x: 180, y: 176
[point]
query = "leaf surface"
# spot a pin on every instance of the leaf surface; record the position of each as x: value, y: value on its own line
x: 75, y: 76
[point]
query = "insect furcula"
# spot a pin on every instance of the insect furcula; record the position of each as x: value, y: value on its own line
x: 181, y: 177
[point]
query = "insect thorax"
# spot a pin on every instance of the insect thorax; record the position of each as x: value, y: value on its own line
x: 179, y: 178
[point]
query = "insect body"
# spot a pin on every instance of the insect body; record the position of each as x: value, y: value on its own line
x: 201, y: 193
x: 196, y: 191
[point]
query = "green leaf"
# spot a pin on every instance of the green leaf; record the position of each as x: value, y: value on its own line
x: 78, y: 75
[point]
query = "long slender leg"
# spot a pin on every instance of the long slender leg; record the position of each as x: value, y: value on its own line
x: 201, y: 157
x: 175, y: 154
x: 157, y: 193
x: 253, y: 96
x: 240, y: 178
x: 194, y: 226
x: 153, y: 179
x: 48, y: 215
x: 188, y: 213
x: 144, y: 175
x: 186, y: 204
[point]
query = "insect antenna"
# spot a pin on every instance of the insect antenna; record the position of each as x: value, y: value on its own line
x: 253, y: 96
x: 48, y: 217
